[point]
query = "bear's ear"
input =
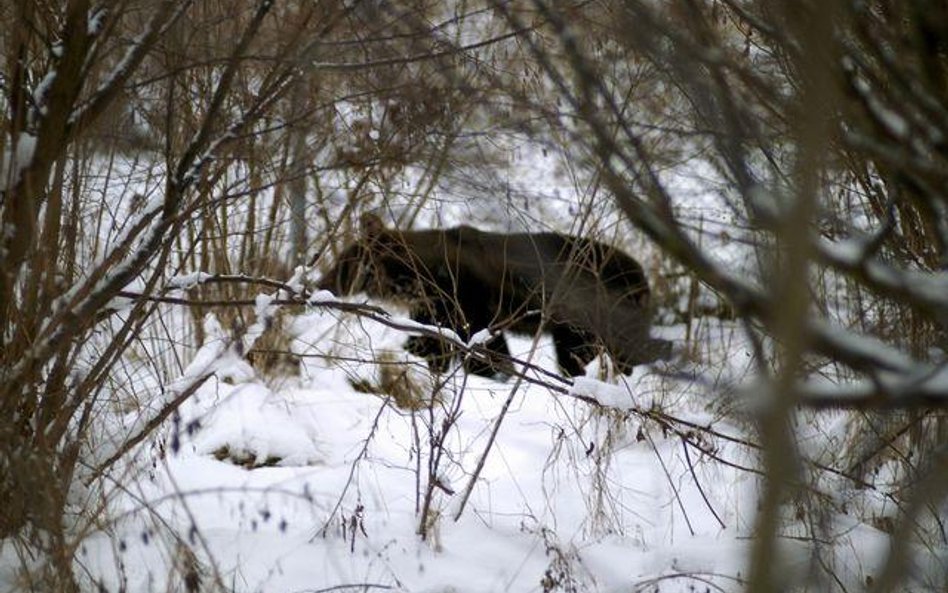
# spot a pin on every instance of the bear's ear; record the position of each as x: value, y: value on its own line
x: 371, y: 225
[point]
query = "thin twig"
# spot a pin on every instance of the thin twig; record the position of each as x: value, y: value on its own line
x: 671, y: 482
x: 691, y: 468
x: 149, y: 427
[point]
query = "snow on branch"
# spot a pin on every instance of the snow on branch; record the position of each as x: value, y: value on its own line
x: 927, y: 389
x: 925, y: 290
x: 168, y: 12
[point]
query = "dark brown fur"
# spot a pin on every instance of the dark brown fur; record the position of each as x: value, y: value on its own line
x: 584, y: 292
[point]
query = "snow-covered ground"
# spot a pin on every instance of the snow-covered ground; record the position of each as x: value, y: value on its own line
x: 582, y: 497
x: 572, y: 496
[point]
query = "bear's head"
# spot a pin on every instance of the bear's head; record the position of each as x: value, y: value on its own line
x: 379, y: 263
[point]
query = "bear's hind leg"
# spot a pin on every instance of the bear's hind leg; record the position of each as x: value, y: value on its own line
x: 574, y: 349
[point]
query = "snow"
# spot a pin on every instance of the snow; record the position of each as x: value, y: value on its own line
x: 263, y: 305
x: 41, y: 90
x: 96, y: 21
x: 499, y: 544
x: 322, y: 296
x: 883, y: 355
x: 610, y: 396
x: 413, y: 326
x: 186, y: 281
x: 10, y: 169
x: 930, y: 288
x: 479, y: 338
x: 295, y: 282
x: 245, y: 416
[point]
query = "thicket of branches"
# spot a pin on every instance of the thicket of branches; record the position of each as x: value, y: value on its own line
x: 826, y: 120
x: 245, y: 137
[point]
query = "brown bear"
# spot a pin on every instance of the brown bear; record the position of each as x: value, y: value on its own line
x: 585, y: 293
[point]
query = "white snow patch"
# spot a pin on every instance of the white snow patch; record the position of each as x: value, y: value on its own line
x: 190, y: 280
x: 10, y: 169
x: 479, y: 338
x: 610, y: 396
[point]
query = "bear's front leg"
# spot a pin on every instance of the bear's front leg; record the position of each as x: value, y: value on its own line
x: 435, y: 351
x: 497, y: 364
